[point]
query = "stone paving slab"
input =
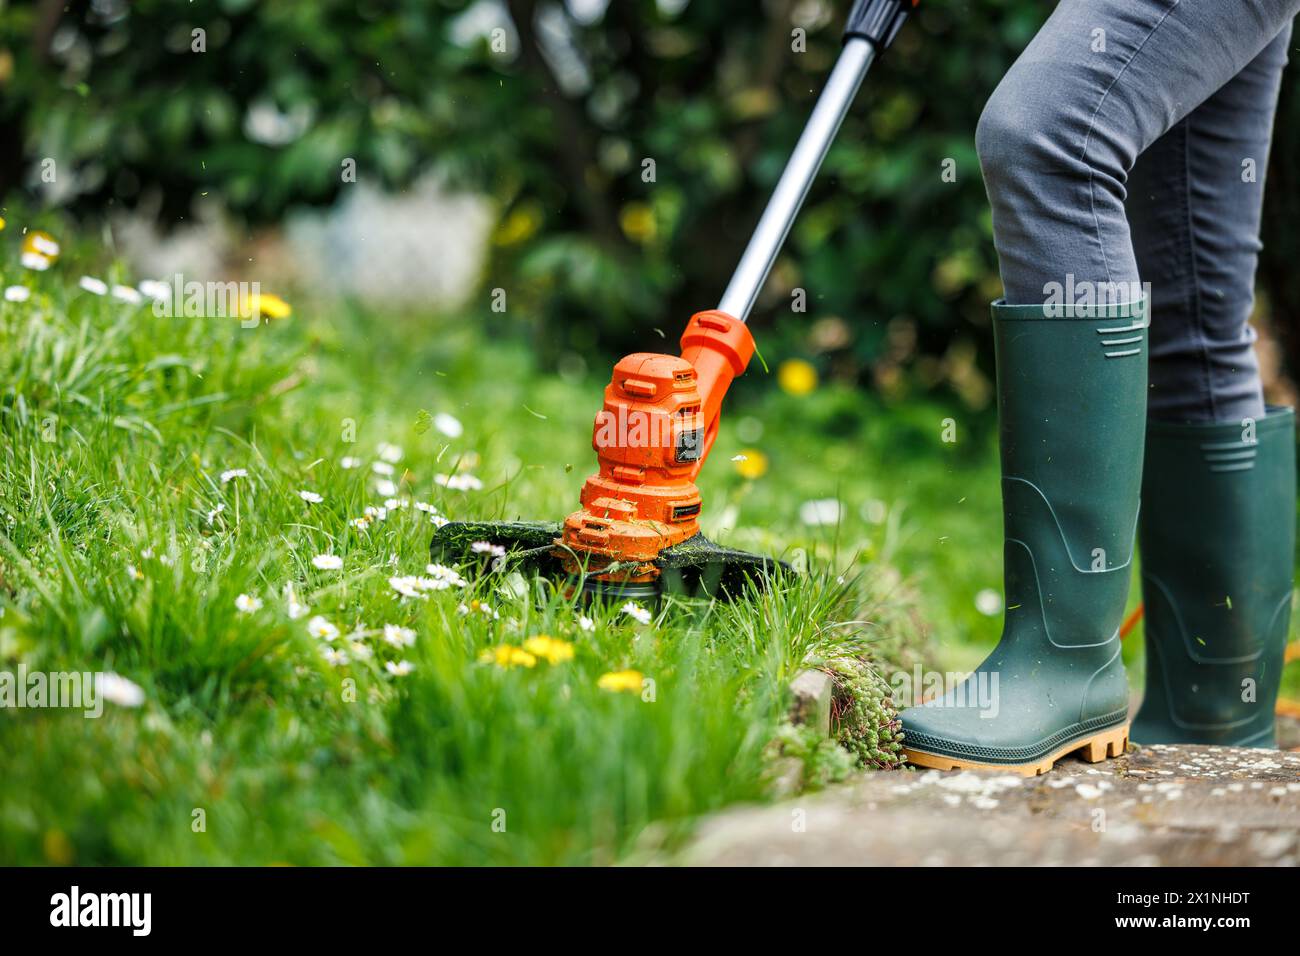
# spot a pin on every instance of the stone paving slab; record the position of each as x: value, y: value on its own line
x: 1154, y: 806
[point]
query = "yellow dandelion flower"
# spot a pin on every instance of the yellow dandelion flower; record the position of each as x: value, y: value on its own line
x: 521, y: 658
x: 58, y: 848
x: 2, y: 223
x: 751, y: 463
x: 507, y: 656
x: 520, y: 226
x: 38, y: 243
x: 553, y: 649
x: 638, y: 222
x: 265, y: 305
x: 629, y: 681
x: 796, y: 377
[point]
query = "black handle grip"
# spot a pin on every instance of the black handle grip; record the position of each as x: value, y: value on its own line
x: 877, y: 21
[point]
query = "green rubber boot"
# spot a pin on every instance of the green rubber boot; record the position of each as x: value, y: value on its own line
x: 1071, y: 414
x: 1218, y: 544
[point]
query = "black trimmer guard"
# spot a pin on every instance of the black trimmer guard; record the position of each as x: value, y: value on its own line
x: 696, y: 568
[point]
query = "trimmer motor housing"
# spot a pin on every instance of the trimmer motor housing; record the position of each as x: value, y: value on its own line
x: 656, y: 428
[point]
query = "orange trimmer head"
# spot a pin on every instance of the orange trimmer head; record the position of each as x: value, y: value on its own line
x: 637, y: 533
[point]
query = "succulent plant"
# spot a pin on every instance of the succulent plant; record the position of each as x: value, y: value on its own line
x: 863, y: 717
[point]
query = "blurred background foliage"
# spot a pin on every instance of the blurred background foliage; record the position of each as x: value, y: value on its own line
x: 554, y: 111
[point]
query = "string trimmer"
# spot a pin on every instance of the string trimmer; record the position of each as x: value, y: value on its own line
x: 638, y: 533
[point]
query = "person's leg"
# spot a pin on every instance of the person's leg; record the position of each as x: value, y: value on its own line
x: 1102, y: 81
x: 1217, y: 526
x: 1194, y: 203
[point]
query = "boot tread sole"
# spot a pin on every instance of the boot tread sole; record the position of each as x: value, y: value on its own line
x: 1111, y: 742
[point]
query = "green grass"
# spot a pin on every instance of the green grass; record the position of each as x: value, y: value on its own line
x: 121, y: 549
x: 115, y: 427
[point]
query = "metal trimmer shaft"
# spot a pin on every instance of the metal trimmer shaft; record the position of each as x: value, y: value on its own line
x: 872, y: 25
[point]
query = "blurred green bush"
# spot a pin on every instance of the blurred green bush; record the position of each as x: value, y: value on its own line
x: 557, y: 110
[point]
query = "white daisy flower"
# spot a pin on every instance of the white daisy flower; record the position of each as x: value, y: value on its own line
x: 875, y: 511
x: 34, y: 261
x: 486, y: 610
x: 438, y: 520
x: 232, y: 474
x: 153, y: 289
x: 296, y: 609
x: 382, y: 468
x: 449, y: 425
x: 425, y: 507
x: 442, y: 573
x: 310, y: 497
x: 116, y: 689
x: 458, y: 482
x: 385, y: 487
x: 988, y: 602
x: 93, y: 285
x: 375, y: 512
x: 247, y: 604
x: 389, y: 453
x: 17, y: 293
x: 134, y: 573
x: 821, y: 511
x: 322, y: 629
x: 636, y: 611
x: 212, y: 515
x: 487, y: 547
x: 362, y: 523
x: 361, y: 652
x: 46, y: 246
x: 124, y: 293
x: 334, y: 656
x: 349, y: 462
x: 406, y: 585
x: 585, y: 623
x: 399, y: 669
x: 398, y: 636
x: 327, y: 562
x: 397, y: 504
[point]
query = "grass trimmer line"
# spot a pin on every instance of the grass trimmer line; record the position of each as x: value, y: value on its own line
x: 637, y: 534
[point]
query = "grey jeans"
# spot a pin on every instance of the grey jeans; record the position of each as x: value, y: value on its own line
x: 1127, y: 146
